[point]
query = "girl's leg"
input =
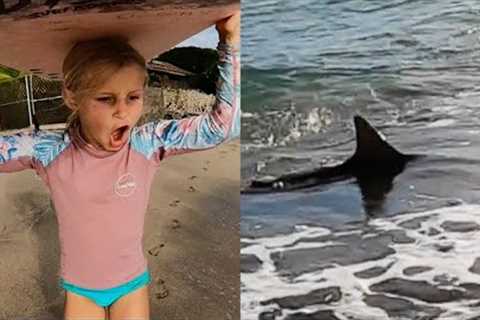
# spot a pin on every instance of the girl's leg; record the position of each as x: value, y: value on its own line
x: 81, y: 308
x: 134, y: 306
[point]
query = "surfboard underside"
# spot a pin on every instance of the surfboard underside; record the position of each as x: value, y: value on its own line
x: 36, y: 37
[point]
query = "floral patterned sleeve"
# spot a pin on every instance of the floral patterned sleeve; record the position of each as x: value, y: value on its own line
x: 169, y: 137
x: 29, y: 150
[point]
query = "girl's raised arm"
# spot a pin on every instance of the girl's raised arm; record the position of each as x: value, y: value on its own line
x: 168, y: 137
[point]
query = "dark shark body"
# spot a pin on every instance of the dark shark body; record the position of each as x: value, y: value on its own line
x: 374, y: 164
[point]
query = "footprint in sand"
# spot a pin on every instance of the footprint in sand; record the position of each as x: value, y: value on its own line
x: 161, y: 290
x: 156, y: 249
x: 193, y: 178
x: 175, y: 224
x: 192, y: 189
x: 174, y: 203
x: 206, y: 165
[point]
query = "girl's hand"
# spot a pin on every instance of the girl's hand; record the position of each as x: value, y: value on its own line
x: 229, y: 29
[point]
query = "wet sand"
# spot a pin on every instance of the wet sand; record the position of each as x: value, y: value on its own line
x: 191, y: 241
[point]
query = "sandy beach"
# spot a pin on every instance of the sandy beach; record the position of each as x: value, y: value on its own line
x: 191, y: 241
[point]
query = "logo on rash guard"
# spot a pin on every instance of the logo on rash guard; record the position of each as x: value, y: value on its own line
x: 125, y: 185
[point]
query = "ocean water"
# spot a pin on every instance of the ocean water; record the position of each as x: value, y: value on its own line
x: 411, y: 68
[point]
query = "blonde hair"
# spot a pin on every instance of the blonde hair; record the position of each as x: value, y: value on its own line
x: 90, y: 63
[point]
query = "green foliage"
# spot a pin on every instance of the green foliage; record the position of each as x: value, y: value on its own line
x: 196, y: 60
x: 7, y: 74
x: 201, y: 61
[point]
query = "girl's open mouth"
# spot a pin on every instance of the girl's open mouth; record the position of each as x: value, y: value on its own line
x: 119, y: 136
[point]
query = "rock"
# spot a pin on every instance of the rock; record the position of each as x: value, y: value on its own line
x: 433, y: 232
x: 315, y: 297
x: 472, y: 290
x: 270, y: 315
x: 249, y: 263
x: 398, y: 236
x: 475, y: 268
x: 454, y: 202
x: 371, y: 272
x: 410, y: 271
x: 413, y: 224
x: 444, y: 247
x: 352, y: 250
x: 402, y: 308
x: 420, y: 290
x: 460, y: 226
x: 318, y: 315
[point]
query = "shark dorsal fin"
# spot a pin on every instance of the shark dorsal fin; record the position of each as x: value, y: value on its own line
x: 371, y: 146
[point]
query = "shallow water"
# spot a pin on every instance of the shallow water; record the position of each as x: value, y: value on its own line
x: 408, y: 67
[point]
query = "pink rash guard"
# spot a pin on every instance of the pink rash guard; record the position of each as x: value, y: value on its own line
x: 100, y: 197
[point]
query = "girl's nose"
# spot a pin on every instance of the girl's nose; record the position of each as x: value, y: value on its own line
x: 122, y: 109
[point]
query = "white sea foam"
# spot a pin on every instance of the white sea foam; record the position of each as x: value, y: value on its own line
x: 247, y: 115
x: 266, y: 284
x: 441, y: 123
x: 280, y: 128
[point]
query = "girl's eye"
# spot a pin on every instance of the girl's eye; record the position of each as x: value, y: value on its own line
x: 105, y: 99
x: 135, y: 97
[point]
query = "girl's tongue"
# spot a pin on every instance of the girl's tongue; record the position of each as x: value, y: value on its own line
x: 119, y: 137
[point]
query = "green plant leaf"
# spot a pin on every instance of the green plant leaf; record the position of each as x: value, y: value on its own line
x: 8, y: 74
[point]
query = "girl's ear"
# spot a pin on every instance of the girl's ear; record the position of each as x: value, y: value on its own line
x: 68, y: 98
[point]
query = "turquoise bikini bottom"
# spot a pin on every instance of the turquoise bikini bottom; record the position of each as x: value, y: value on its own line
x: 105, y: 297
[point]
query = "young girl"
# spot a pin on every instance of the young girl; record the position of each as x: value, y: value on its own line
x: 99, y: 171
